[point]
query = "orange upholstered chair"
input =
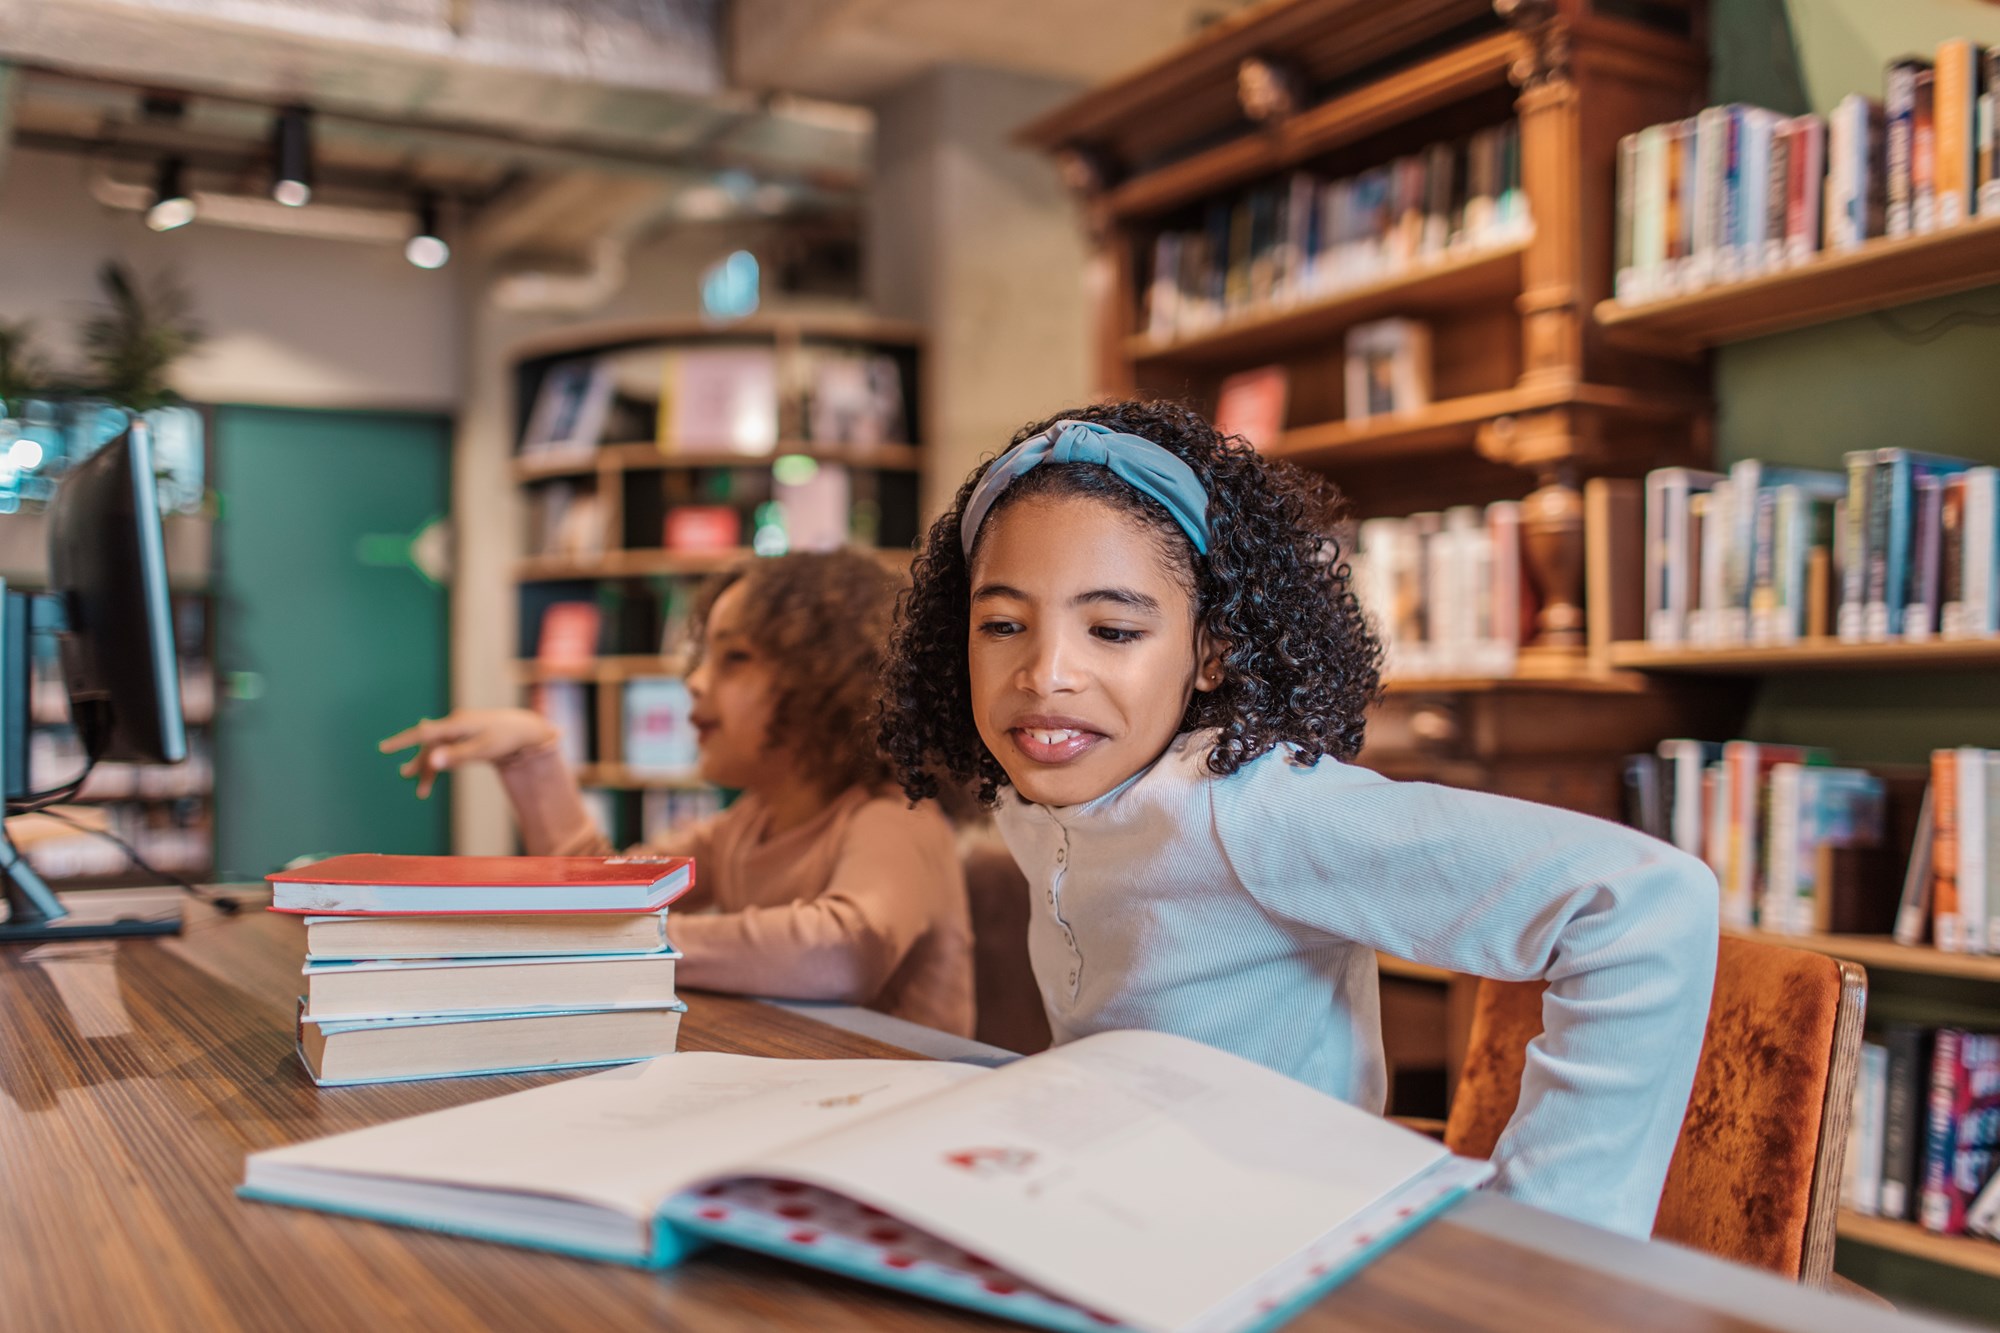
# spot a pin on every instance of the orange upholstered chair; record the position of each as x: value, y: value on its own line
x: 1756, y: 1175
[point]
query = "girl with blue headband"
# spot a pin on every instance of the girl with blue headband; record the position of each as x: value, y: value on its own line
x: 1132, y: 637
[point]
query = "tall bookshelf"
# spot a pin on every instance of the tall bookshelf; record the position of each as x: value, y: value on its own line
x: 636, y: 474
x: 1529, y: 399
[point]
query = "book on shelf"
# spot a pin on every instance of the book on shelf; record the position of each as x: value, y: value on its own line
x: 1963, y: 1127
x: 1251, y: 403
x: 815, y: 502
x: 719, y: 399
x: 1387, y: 368
x: 666, y: 811
x: 370, y: 883
x: 565, y: 518
x: 382, y: 988
x: 1305, y: 237
x: 659, y: 726
x: 485, y: 935
x: 1861, y: 1176
x: 569, y: 411
x: 565, y: 704
x: 569, y: 634
x: 855, y: 399
x: 963, y: 1184
x: 1813, y: 811
x: 1987, y: 152
x: 341, y: 1051
x: 701, y: 529
x: 1446, y: 592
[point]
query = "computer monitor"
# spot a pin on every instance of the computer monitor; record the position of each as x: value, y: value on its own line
x: 108, y: 603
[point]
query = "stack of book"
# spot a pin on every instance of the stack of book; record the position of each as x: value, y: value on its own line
x: 1961, y: 850
x: 1901, y: 546
x: 1446, y: 592
x: 1308, y: 237
x: 438, y: 966
x: 1926, y: 1125
x: 1737, y: 191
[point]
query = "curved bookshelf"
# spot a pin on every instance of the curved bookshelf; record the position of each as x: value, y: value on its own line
x: 647, y: 457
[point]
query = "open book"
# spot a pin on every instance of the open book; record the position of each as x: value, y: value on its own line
x: 1130, y: 1178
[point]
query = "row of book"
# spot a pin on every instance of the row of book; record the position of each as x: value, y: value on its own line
x: 1446, y: 591
x: 811, y: 508
x: 1308, y: 237
x: 1926, y: 1124
x: 1738, y: 190
x: 1796, y: 844
x: 1900, y: 546
x: 728, y: 399
x: 439, y: 966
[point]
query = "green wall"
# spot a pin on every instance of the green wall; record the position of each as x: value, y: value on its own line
x: 1923, y: 376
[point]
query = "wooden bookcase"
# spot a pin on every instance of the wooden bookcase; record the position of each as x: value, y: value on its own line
x: 1529, y: 397
x: 636, y: 479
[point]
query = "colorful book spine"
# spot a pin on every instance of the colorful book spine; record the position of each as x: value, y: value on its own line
x: 1623, y: 270
x: 1951, y: 559
x: 1851, y: 622
x: 1903, y: 1118
x: 1923, y: 151
x: 1957, y: 94
x: 1945, y: 919
x: 1936, y: 1210
x: 1988, y: 134
x: 1777, y: 181
x: 1863, y: 1179
x: 1920, y: 607
x: 1982, y: 547
x: 1804, y: 195
x: 1973, y: 832
x: 1898, y: 109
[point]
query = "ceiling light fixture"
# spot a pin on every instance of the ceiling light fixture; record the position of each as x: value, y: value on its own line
x: 291, y: 156
x: 426, y: 248
x: 172, y: 206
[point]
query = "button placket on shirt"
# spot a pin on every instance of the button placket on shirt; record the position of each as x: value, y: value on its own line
x: 1055, y: 908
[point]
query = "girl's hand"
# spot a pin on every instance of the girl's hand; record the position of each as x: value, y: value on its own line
x: 468, y: 735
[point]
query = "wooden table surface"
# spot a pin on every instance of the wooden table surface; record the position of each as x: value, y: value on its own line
x: 136, y: 1075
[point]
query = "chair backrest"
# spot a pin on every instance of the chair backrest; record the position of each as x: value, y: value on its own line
x: 1755, y: 1176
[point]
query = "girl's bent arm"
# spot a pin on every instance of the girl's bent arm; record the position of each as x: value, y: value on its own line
x: 893, y: 867
x: 1622, y: 926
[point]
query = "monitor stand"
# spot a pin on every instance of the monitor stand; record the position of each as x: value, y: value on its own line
x: 34, y: 912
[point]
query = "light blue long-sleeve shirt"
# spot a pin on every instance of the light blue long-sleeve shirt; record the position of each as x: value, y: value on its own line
x: 1245, y: 912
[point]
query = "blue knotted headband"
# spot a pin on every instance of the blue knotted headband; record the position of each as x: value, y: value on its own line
x: 1134, y: 460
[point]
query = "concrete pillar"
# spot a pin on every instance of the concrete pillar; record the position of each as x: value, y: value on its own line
x: 973, y: 236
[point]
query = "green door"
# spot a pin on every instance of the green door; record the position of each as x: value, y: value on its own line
x: 329, y: 637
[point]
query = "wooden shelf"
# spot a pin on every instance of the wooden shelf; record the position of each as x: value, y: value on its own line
x: 1881, y: 952
x: 608, y: 668
x: 625, y: 564
x: 1479, y: 66
x: 1444, y: 285
x: 1578, y: 682
x: 629, y: 332
x: 617, y: 775
x: 1975, y: 1254
x: 1833, y: 285
x: 1812, y: 655
x: 646, y: 457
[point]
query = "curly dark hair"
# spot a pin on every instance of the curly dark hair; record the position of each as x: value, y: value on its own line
x: 823, y: 621
x: 1300, y: 664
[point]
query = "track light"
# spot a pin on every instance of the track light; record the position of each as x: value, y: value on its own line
x: 291, y: 156
x: 426, y: 249
x: 171, y: 205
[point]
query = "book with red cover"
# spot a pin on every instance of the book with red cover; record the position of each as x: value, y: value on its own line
x: 369, y: 884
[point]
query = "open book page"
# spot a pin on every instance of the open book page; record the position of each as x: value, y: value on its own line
x: 627, y: 1138
x: 1141, y: 1175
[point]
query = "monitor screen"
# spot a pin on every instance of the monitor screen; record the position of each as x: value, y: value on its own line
x: 108, y: 567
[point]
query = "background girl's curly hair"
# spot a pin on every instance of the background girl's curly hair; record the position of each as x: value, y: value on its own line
x: 822, y: 621
x: 1301, y: 666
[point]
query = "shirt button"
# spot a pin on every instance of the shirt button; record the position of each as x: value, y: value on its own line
x: 1072, y: 978
x: 1052, y: 897
x: 1062, y: 855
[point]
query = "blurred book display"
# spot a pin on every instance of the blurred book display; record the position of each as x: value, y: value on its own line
x: 1738, y: 191
x: 1388, y: 368
x: 1446, y: 592
x: 1925, y: 1129
x: 438, y: 966
x: 719, y: 399
x: 569, y: 411
x: 1307, y: 237
x: 1900, y: 547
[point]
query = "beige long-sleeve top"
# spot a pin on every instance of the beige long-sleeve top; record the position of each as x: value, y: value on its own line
x: 863, y: 904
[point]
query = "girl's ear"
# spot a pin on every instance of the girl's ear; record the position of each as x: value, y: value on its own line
x: 1208, y: 652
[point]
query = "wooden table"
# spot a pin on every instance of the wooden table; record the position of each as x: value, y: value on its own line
x: 136, y: 1075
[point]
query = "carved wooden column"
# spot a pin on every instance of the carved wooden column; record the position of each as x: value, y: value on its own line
x: 1553, y: 313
